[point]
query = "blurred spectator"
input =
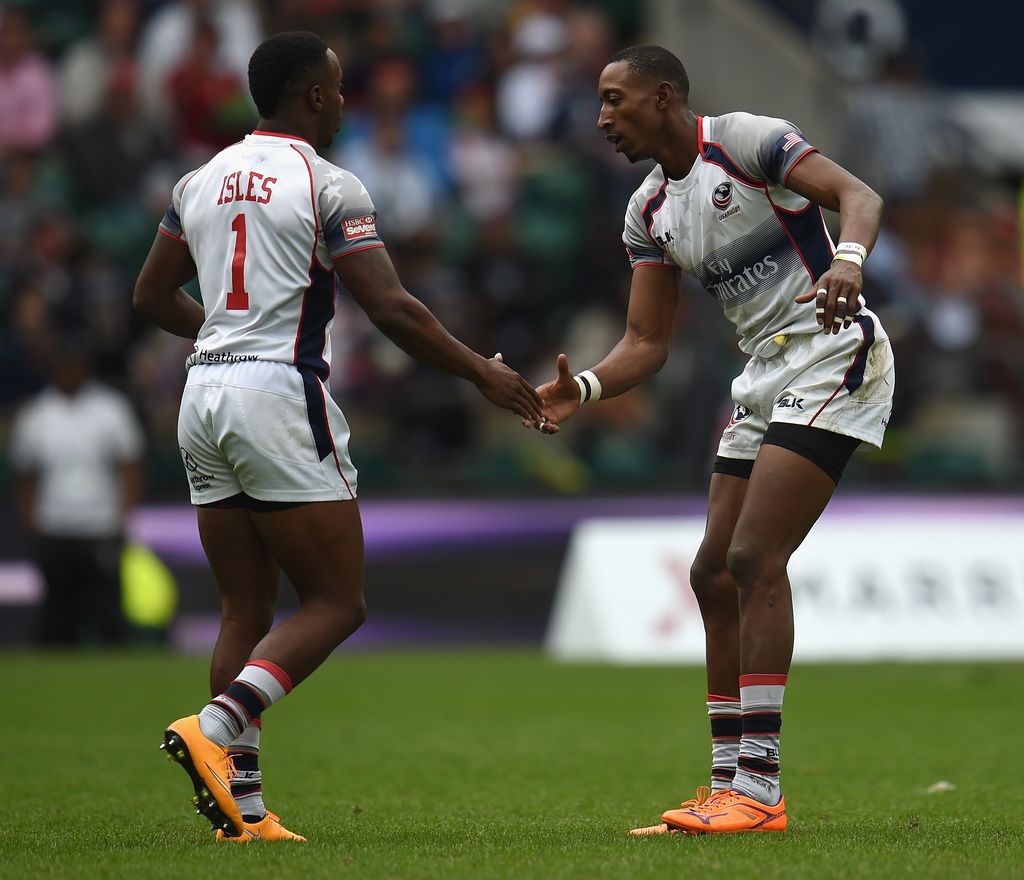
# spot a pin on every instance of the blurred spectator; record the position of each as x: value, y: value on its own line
x: 405, y: 191
x: 100, y: 62
x: 28, y: 93
x: 170, y: 34
x: 530, y: 90
x: 19, y: 204
x: 911, y: 130
x: 76, y: 450
x: 209, y: 100
x: 457, y: 55
x: 117, y: 134
x: 485, y: 166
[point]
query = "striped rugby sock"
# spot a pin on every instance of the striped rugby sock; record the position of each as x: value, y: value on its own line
x: 757, y: 770
x: 247, y: 786
x: 259, y: 685
x: 726, y: 730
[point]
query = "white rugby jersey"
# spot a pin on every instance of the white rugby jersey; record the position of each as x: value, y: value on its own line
x: 263, y: 219
x: 732, y: 224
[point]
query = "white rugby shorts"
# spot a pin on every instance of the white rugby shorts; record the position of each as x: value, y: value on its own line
x: 841, y: 383
x: 266, y: 429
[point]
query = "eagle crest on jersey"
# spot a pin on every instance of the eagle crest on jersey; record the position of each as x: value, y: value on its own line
x: 731, y: 223
x: 265, y: 264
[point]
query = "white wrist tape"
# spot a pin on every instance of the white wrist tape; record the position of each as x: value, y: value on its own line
x: 849, y: 257
x: 852, y: 247
x: 590, y: 386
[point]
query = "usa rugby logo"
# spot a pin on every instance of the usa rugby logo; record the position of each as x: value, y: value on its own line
x: 722, y: 195
x: 739, y: 414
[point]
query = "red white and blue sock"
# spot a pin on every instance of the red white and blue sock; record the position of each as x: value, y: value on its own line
x: 726, y: 731
x: 258, y: 686
x: 247, y: 785
x: 757, y: 769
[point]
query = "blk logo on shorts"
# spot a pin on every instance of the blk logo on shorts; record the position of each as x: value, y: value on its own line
x: 722, y: 195
x: 186, y: 458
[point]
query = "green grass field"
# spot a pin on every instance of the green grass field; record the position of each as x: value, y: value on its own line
x: 482, y: 764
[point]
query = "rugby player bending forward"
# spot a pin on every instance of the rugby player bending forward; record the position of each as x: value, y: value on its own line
x: 266, y: 224
x: 735, y: 201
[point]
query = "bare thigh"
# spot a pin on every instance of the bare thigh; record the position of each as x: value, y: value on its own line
x: 320, y: 548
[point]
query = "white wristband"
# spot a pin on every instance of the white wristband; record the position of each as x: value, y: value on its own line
x: 849, y: 257
x: 852, y: 247
x: 590, y: 386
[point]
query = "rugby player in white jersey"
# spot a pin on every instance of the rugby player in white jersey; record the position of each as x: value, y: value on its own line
x: 734, y: 201
x: 266, y: 224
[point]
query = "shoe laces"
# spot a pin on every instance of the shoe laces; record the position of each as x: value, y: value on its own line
x: 702, y: 796
x: 721, y: 798
x: 232, y: 772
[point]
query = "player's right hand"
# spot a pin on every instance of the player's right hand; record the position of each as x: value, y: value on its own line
x: 505, y: 388
x: 560, y: 398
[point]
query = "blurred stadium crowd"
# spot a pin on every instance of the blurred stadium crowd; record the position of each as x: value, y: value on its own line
x: 472, y: 126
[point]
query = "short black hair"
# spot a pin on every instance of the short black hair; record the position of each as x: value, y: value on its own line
x: 655, y: 62
x: 282, y: 63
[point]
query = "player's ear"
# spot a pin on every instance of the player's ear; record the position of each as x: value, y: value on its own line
x: 664, y: 95
x: 315, y: 97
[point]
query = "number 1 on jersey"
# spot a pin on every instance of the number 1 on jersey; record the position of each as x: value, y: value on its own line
x: 238, y: 297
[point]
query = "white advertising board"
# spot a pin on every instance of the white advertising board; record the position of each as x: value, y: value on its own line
x: 865, y: 588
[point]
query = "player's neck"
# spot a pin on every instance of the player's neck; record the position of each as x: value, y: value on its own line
x: 288, y: 128
x: 676, y: 158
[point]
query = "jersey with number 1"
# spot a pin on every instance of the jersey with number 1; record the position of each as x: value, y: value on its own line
x: 263, y: 220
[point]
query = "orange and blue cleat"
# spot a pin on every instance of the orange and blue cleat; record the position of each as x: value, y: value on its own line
x: 268, y: 828
x: 727, y: 812
x: 210, y: 770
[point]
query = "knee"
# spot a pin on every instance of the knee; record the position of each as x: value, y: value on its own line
x: 344, y: 618
x: 711, y: 582
x: 751, y: 566
x: 253, y: 619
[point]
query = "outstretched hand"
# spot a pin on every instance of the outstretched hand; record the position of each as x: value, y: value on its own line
x: 560, y: 398
x: 505, y: 388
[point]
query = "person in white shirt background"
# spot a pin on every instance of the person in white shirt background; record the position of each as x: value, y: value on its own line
x: 75, y: 449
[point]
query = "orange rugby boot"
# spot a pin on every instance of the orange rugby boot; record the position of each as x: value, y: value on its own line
x: 728, y: 812
x: 268, y: 828
x: 209, y: 768
x: 703, y: 794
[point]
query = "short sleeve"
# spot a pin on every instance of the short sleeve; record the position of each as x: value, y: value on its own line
x: 126, y: 432
x: 780, y: 150
x: 347, y: 214
x: 170, y: 225
x: 763, y: 148
x: 641, y: 249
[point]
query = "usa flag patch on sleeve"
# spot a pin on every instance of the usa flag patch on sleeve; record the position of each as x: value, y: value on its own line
x: 359, y: 227
x: 790, y: 140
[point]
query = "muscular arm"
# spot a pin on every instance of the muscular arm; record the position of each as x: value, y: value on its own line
x: 836, y: 293
x: 643, y: 349
x: 371, y: 278
x: 158, y: 293
x: 830, y: 185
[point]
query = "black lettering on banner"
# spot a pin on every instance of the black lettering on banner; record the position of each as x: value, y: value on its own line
x: 989, y: 587
x: 868, y: 594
